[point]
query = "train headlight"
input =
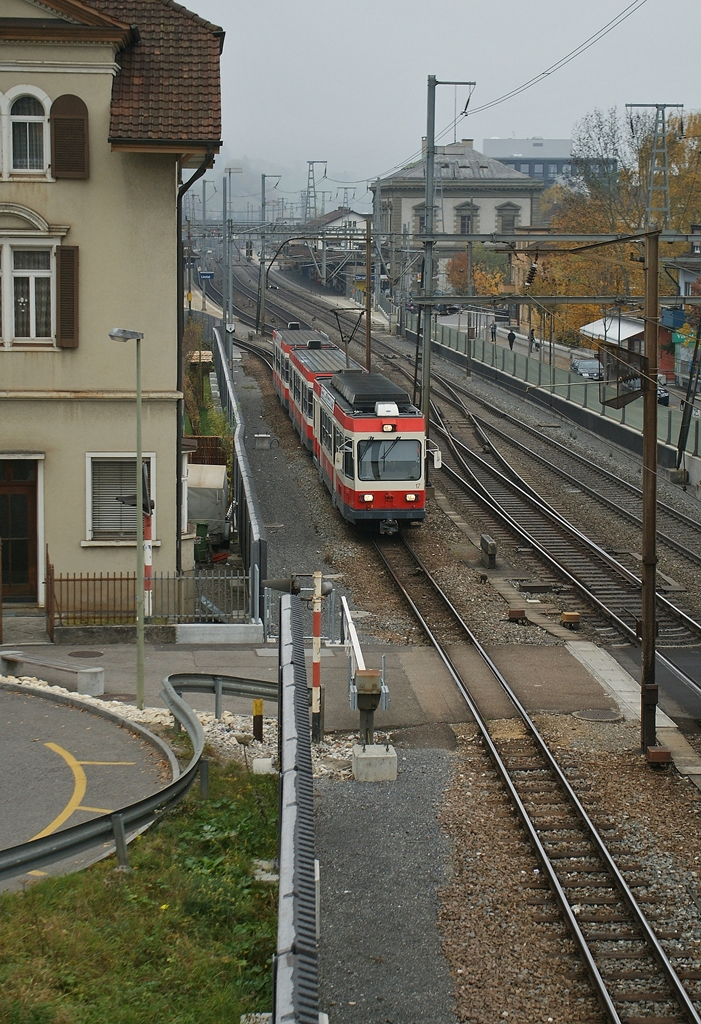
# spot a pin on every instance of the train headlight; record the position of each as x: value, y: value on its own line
x: 410, y: 497
x: 388, y: 428
x: 367, y: 497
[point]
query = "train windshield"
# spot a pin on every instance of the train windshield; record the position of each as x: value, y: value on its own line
x: 392, y: 458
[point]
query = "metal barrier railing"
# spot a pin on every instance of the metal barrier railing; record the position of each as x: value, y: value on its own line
x: 253, y: 542
x: 112, y: 827
x: 296, y: 979
x: 331, y: 620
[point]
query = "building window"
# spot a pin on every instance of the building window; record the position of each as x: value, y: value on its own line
x: 111, y: 477
x: 525, y: 168
x: 27, y: 118
x: 31, y: 288
x: 507, y: 218
x: 567, y: 170
x: 552, y: 170
x: 466, y: 224
x: 537, y: 170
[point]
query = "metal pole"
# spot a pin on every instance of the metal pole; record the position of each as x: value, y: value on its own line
x: 427, y: 281
x: 260, y: 319
x: 648, y: 685
x: 226, y: 300
x: 139, y: 540
x: 368, y: 276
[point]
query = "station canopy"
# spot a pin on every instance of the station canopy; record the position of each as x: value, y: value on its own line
x: 613, y: 329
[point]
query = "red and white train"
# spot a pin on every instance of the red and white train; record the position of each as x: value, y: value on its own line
x: 367, y: 439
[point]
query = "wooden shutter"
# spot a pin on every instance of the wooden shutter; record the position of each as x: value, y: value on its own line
x: 67, y: 296
x: 70, y: 155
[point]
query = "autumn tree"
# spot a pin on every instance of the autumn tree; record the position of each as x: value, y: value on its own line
x: 488, y: 271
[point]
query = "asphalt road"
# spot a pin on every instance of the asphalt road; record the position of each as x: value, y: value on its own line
x: 61, y: 766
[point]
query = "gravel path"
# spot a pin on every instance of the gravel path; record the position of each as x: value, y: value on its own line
x: 383, y: 859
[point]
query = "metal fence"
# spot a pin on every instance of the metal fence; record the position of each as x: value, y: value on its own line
x: 331, y: 616
x: 295, y: 978
x: 248, y: 521
x: 220, y: 595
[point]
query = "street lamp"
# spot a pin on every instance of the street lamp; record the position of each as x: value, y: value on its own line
x: 123, y: 334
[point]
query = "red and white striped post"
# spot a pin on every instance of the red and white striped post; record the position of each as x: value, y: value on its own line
x: 148, y: 567
x: 316, y: 660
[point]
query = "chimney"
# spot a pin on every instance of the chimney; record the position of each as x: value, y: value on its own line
x: 470, y: 143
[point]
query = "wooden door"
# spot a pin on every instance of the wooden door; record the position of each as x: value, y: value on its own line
x: 18, y: 528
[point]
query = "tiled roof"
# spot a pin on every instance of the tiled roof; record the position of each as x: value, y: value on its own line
x: 168, y: 88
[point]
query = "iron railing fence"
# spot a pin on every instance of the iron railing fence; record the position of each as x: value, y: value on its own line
x: 218, y: 595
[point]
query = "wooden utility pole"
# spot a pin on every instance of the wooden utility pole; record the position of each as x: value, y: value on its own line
x: 368, y: 282
x: 648, y: 684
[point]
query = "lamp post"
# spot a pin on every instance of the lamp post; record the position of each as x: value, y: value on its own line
x: 123, y: 334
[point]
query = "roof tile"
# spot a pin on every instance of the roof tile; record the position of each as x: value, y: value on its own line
x: 168, y: 88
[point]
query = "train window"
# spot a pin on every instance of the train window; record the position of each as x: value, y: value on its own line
x: 389, y: 459
x: 348, y: 462
x: 309, y: 408
x: 326, y: 435
x: 297, y: 388
x: 277, y: 361
x: 286, y: 371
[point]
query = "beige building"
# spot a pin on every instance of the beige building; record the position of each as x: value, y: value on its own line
x: 99, y: 120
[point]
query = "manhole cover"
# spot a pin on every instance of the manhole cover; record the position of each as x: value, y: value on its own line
x: 85, y: 654
x: 598, y: 715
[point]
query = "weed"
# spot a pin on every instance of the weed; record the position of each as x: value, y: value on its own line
x: 187, y: 937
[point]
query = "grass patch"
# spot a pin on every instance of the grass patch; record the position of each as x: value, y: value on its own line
x: 187, y: 937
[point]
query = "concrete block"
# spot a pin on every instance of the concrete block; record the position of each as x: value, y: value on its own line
x: 219, y: 633
x: 376, y: 763
x: 263, y: 766
x: 488, y: 551
x: 91, y: 681
x: 11, y: 663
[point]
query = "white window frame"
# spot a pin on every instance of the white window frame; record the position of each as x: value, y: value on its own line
x: 117, y: 457
x: 37, y: 235
x: 6, y: 158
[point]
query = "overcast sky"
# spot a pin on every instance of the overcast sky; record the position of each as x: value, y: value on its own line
x: 346, y: 82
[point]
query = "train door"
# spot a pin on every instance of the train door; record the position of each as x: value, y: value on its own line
x: 18, y: 528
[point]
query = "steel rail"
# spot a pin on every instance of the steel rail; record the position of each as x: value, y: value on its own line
x: 482, y: 494
x: 669, y: 510
x: 680, y: 993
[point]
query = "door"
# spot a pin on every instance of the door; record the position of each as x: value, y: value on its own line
x: 18, y: 528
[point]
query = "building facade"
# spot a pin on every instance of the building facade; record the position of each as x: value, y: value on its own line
x: 97, y: 122
x: 474, y: 194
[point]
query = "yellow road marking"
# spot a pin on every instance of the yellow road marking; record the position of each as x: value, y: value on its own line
x: 95, y: 810
x: 106, y: 762
x: 79, y: 787
x: 38, y: 874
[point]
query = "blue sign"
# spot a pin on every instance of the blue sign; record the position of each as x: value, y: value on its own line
x: 206, y: 275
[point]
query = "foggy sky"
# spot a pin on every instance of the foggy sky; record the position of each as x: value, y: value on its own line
x: 346, y: 82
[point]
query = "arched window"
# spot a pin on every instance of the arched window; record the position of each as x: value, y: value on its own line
x: 27, y: 117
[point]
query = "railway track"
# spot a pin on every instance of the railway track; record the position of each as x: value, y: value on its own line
x: 599, y: 897
x: 675, y: 527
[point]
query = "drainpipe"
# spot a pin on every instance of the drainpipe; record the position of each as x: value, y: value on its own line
x: 207, y: 162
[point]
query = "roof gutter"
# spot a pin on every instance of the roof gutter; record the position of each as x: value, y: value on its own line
x: 206, y: 162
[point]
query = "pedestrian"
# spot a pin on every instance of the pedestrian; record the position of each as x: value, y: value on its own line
x: 531, y: 339
x: 511, y: 338
x: 493, y: 329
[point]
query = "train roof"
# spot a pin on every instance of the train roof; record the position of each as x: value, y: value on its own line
x: 363, y: 390
x: 302, y: 338
x: 322, y: 360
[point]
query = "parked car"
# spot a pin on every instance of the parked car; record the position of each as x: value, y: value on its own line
x: 590, y: 368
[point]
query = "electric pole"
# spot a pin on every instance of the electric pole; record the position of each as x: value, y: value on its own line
x: 427, y: 279
x: 658, y: 211
x: 368, y: 275
x: 648, y: 684
x: 260, y: 315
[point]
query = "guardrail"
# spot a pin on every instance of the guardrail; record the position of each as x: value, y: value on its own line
x: 253, y: 542
x: 112, y: 827
x: 296, y: 978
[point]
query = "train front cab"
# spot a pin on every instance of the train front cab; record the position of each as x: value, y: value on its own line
x: 375, y: 473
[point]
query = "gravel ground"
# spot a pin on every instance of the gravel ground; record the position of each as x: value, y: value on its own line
x: 383, y: 858
x: 504, y: 962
